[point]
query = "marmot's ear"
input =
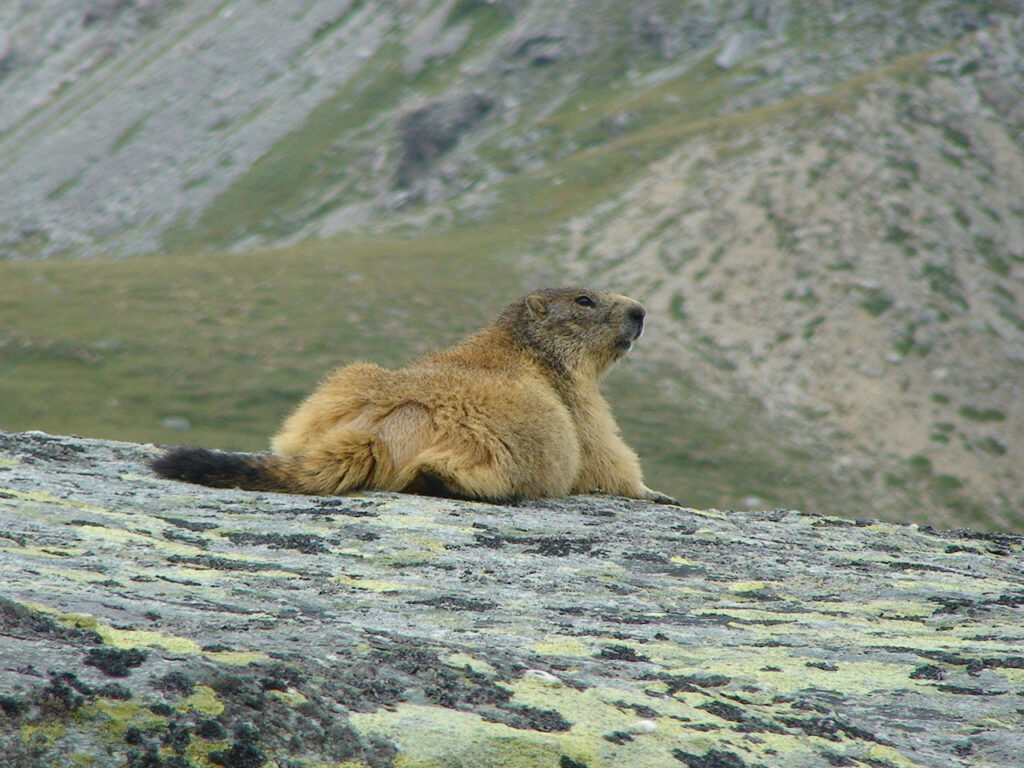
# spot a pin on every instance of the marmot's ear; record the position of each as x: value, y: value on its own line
x: 536, y: 305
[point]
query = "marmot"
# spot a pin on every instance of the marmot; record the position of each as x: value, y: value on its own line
x: 512, y: 412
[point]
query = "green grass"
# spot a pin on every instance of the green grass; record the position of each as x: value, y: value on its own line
x: 229, y: 343
x: 709, y: 451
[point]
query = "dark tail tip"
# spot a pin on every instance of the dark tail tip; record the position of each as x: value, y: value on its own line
x: 217, y: 469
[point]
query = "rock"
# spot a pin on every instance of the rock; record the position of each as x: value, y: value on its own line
x: 145, y: 621
x: 737, y: 47
x: 432, y: 130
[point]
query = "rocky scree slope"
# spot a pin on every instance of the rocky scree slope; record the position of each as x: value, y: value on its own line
x: 122, y: 120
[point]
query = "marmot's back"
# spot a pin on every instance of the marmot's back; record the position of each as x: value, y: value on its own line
x: 511, y: 412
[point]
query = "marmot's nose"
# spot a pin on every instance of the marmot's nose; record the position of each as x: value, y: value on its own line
x: 637, y: 313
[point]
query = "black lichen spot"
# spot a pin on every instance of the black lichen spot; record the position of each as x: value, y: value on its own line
x: 829, y: 728
x: 642, y: 710
x: 64, y: 692
x: 554, y: 546
x: 210, y: 729
x: 222, y: 563
x: 306, y: 543
x: 192, y: 541
x: 557, y: 546
x: 617, y: 737
x: 19, y: 621
x: 144, y: 758
x: 530, y: 718
x: 133, y: 736
x: 244, y: 752
x: 177, y: 737
x: 725, y: 711
x: 568, y: 762
x: 454, y: 603
x: 745, y: 722
x: 164, y: 710
x: 961, y: 690
x: 840, y: 761
x: 190, y: 525
x: 952, y: 605
x: 1013, y: 601
x: 620, y: 653
x: 115, y: 662
x: 713, y: 758
x: 928, y: 672
x: 11, y: 706
x: 490, y: 542
x: 823, y: 665
x: 689, y: 683
x: 174, y: 682
x: 114, y: 691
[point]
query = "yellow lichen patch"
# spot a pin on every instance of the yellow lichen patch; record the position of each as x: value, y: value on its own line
x: 430, y: 737
x: 461, y: 660
x: 374, y: 585
x: 239, y: 658
x: 291, y: 697
x: 48, y: 498
x: 683, y: 561
x: 890, y: 608
x: 786, y: 671
x: 121, y: 536
x: 405, y: 521
x: 135, y: 638
x: 42, y: 734
x: 198, y: 750
x: 203, y: 699
x: 596, y: 713
x: 713, y: 513
x: 8, y: 463
x: 54, y: 552
x: 1012, y: 675
x: 758, y: 614
x: 746, y: 586
x: 118, y: 715
x: 892, y: 757
x: 559, y: 645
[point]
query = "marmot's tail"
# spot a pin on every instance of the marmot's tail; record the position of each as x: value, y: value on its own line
x: 220, y: 469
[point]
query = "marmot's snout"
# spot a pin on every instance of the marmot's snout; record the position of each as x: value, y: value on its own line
x: 636, y: 316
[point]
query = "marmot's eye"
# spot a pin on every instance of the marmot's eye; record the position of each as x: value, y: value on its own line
x: 584, y: 301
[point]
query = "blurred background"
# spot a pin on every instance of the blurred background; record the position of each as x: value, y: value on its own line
x: 205, y: 206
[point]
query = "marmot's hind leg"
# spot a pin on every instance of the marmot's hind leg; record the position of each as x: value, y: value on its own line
x: 437, y: 473
x: 348, y: 462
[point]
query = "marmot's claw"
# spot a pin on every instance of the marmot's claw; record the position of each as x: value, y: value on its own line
x: 661, y: 498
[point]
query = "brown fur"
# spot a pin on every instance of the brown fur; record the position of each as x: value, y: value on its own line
x: 512, y: 412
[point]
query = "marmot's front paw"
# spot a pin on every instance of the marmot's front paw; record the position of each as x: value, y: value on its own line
x: 660, y: 498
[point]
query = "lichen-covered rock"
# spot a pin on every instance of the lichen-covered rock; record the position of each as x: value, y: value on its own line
x: 145, y: 622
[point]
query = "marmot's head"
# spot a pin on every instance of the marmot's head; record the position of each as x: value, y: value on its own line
x: 578, y: 329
